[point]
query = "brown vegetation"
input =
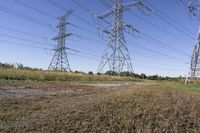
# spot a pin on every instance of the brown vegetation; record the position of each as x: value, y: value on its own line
x: 89, y: 108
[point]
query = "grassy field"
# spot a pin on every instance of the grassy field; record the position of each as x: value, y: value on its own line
x: 39, y: 75
x: 114, y: 107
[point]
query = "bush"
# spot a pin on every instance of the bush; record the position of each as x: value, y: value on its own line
x: 90, y: 73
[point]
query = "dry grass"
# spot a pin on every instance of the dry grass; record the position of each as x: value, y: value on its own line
x: 133, y: 108
x: 37, y: 75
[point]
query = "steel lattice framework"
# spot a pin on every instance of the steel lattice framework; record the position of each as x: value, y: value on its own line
x: 195, y: 60
x: 60, y: 59
x: 116, y: 55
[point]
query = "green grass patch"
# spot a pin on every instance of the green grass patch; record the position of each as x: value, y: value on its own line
x: 189, y: 87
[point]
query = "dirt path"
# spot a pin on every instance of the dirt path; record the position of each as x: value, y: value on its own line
x: 58, y: 89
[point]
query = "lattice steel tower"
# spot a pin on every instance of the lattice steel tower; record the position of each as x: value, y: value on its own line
x: 195, y: 60
x: 116, y: 55
x: 60, y: 59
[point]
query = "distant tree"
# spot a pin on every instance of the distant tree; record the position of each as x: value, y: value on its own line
x: 79, y: 72
x: 153, y: 77
x: 136, y: 75
x: 20, y: 66
x: 125, y: 73
x: 143, y: 76
x: 98, y: 73
x: 7, y: 65
x: 90, y: 73
x: 76, y: 71
x: 111, y: 73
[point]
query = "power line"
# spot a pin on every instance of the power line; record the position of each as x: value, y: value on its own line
x: 75, y: 15
x: 23, y: 39
x: 148, y: 50
x: 147, y: 36
x: 98, y: 58
x: 25, y: 45
x: 162, y: 44
x: 81, y: 6
x: 156, y: 52
x: 49, y: 15
x: 165, y: 45
x: 89, y: 12
x: 35, y: 9
x: 158, y: 27
x: 25, y: 17
x: 155, y: 40
x: 171, y: 19
x: 157, y: 68
x: 89, y: 39
x: 166, y: 20
x: 80, y: 18
x: 44, y: 48
x: 84, y: 20
x: 55, y: 4
x: 143, y: 48
x: 22, y: 32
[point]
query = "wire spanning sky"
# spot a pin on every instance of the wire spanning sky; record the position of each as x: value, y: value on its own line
x: 163, y: 47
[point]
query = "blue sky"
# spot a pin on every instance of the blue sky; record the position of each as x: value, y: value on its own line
x: 168, y: 57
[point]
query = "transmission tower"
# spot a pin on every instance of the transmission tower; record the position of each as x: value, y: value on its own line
x: 60, y: 59
x: 116, y: 56
x: 195, y: 60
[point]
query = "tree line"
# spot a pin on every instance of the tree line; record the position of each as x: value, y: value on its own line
x: 110, y: 73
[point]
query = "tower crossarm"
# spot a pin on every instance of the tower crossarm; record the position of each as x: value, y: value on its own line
x: 62, y: 36
x: 107, y: 14
x: 130, y: 5
x: 125, y: 7
x: 63, y: 47
x: 130, y: 29
x: 193, y: 7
